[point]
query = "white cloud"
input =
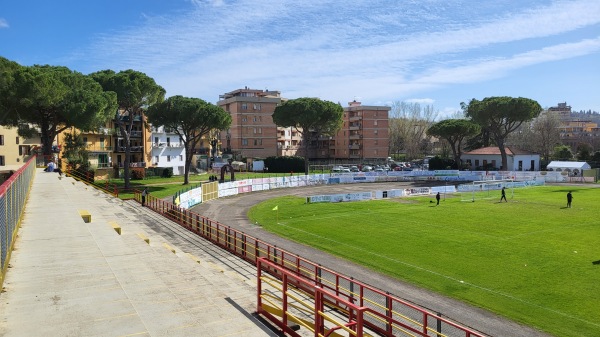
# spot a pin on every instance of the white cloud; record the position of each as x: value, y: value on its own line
x: 324, y: 49
x: 422, y: 101
x: 3, y: 23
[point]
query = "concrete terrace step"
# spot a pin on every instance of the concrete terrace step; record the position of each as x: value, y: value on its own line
x: 70, y: 278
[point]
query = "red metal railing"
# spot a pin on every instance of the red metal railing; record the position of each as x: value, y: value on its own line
x: 387, y: 314
x: 88, y: 179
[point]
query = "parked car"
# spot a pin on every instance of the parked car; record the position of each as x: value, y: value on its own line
x: 354, y: 169
x: 367, y: 168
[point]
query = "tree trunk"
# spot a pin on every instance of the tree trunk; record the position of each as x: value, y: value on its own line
x: 46, y: 141
x: 126, y: 177
x: 305, y: 140
x: 188, y: 162
x: 455, y: 153
x: 500, y: 143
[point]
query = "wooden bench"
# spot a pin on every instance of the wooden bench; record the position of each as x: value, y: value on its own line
x: 116, y: 227
x: 85, y: 215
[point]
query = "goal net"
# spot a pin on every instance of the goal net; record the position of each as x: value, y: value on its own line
x: 487, y: 189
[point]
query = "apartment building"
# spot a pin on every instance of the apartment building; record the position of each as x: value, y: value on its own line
x: 139, y: 140
x: 14, y: 149
x: 252, y: 133
x: 106, y: 145
x: 168, y: 149
x: 99, y: 144
x: 575, y: 132
x: 576, y: 128
x: 364, y: 135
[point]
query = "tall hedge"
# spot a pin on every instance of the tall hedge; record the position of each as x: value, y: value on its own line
x: 284, y: 164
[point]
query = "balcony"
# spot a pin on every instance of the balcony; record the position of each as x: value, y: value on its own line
x: 136, y: 164
x: 354, y: 117
x: 354, y: 147
x: 161, y: 145
x: 132, y: 149
x: 355, y: 136
x: 99, y: 148
x: 134, y: 134
x: 354, y: 126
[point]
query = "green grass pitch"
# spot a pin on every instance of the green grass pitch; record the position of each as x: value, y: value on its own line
x: 531, y: 259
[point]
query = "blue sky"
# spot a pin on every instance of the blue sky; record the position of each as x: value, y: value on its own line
x: 438, y: 52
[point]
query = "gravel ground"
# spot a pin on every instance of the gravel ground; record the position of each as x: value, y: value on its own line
x: 232, y: 211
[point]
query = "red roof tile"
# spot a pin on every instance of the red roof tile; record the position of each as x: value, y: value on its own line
x: 494, y: 150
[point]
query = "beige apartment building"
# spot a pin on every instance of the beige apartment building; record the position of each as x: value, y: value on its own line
x: 14, y: 149
x: 106, y: 145
x: 253, y: 134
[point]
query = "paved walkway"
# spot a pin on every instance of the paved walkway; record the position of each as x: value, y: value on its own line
x: 70, y: 278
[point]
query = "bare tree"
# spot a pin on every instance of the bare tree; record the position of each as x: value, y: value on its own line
x: 409, y: 123
x: 547, y: 134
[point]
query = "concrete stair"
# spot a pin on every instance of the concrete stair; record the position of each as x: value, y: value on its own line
x: 71, y: 278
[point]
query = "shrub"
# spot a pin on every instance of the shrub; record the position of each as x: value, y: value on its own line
x: 167, y: 172
x: 138, y: 173
x: 284, y: 164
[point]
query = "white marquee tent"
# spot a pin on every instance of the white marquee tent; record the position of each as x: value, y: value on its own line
x: 569, y: 166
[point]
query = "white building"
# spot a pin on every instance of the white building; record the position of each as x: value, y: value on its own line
x: 488, y: 158
x: 167, y: 150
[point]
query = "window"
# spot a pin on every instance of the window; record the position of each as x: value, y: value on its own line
x: 168, y: 158
x: 244, y: 119
x: 244, y: 106
x: 1, y: 140
x: 376, y: 142
x: 17, y: 140
x: 156, y: 159
x: 244, y: 141
x: 257, y: 107
x: 259, y: 130
x: 85, y: 140
x: 476, y: 162
x: 376, y: 131
x: 2, y: 161
x: 180, y: 157
x: 155, y: 140
x: 375, y: 123
x: 23, y: 150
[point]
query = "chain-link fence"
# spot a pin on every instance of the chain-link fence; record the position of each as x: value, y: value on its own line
x: 13, y: 194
